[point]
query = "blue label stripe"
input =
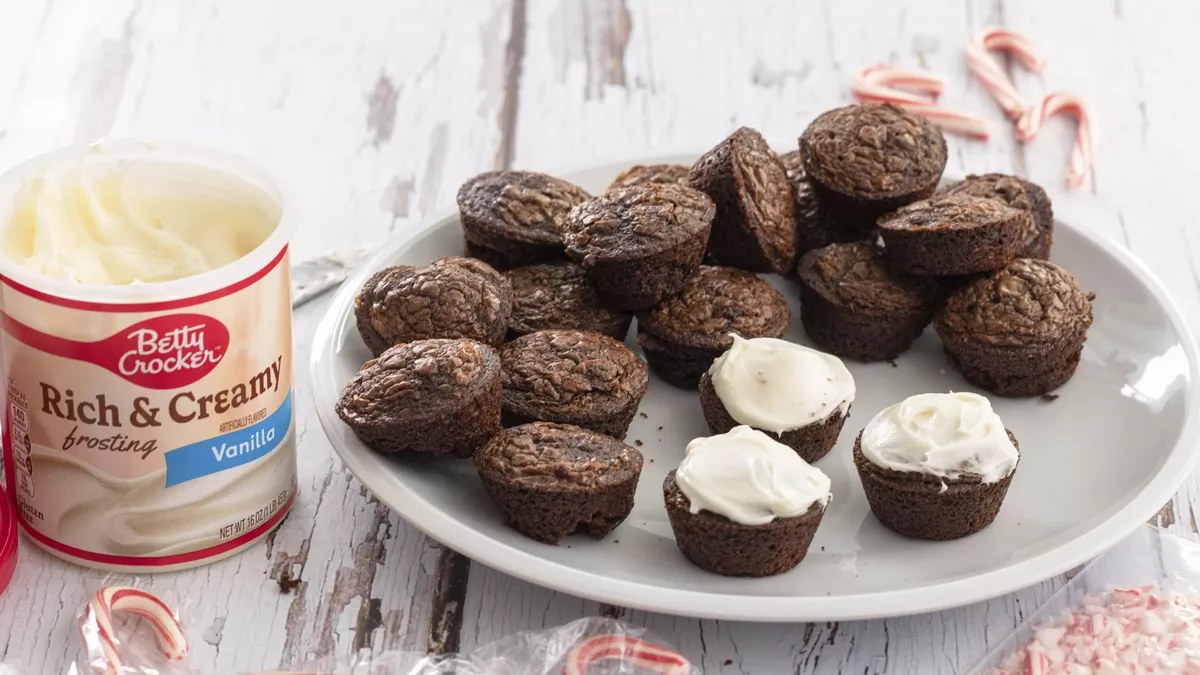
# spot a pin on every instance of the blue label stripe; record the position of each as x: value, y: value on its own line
x: 232, y: 449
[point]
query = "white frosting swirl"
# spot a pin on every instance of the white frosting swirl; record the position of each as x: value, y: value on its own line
x: 943, y: 435
x: 749, y: 478
x: 107, y: 221
x: 778, y: 386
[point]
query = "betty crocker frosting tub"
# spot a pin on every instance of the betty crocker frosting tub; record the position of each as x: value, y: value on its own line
x: 145, y: 344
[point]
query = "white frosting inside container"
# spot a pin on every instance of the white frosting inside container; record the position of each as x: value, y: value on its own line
x: 778, y: 386
x: 942, y: 435
x: 100, y: 220
x: 749, y: 478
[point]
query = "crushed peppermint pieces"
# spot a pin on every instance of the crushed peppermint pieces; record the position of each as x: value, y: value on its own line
x: 1127, y: 631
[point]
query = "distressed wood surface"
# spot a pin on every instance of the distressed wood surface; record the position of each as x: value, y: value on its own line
x: 371, y: 113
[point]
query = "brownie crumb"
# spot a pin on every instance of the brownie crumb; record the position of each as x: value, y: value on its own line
x: 1091, y: 297
x: 637, y: 442
x: 1049, y: 397
x: 644, y: 416
x: 288, y: 583
x: 660, y: 428
x: 651, y: 460
x: 893, y: 363
x: 616, y: 541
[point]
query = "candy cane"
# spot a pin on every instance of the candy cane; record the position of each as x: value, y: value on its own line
x: 139, y: 603
x: 644, y: 654
x: 878, y: 83
x: 995, y: 80
x: 1081, y: 152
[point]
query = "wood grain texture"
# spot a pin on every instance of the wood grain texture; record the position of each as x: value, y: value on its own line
x: 371, y: 113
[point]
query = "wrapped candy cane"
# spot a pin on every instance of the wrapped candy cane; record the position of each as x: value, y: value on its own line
x: 1081, y: 152
x: 997, y: 82
x: 97, y: 619
x: 646, y: 655
x: 879, y: 83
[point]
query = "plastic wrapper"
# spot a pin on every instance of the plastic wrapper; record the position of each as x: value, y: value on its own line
x: 134, y: 626
x: 585, y: 647
x: 1135, y: 609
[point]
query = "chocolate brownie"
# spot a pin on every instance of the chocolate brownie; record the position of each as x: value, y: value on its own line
x: 559, y: 295
x: 1017, y: 331
x: 683, y: 334
x: 811, y: 442
x: 440, y: 397
x: 676, y: 174
x: 552, y: 480
x: 755, y: 227
x: 928, y: 507
x: 449, y: 298
x: 718, y: 544
x: 512, y: 218
x: 572, y: 377
x: 866, y: 160
x: 639, y: 243
x: 954, y: 234
x: 813, y: 229
x: 853, y: 304
x: 1019, y: 194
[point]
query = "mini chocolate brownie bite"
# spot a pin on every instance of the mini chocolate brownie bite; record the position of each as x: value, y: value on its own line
x: 853, y: 304
x: 755, y: 227
x: 553, y: 480
x: 866, y: 160
x: 638, y: 244
x: 440, y: 397
x: 683, y: 334
x: 936, y: 466
x: 1017, y: 331
x: 742, y: 504
x: 1019, y: 194
x: 572, y: 377
x: 560, y: 295
x: 675, y: 174
x: 449, y: 298
x: 512, y: 218
x: 954, y: 234
x: 800, y: 395
x: 813, y: 229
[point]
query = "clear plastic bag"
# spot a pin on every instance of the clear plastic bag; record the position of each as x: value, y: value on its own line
x: 1150, y: 581
x: 590, y: 646
x: 132, y: 626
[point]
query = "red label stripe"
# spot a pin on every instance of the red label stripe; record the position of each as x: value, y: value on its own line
x: 146, y: 306
x: 165, y: 560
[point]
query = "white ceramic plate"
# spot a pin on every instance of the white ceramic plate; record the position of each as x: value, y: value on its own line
x: 1095, y: 464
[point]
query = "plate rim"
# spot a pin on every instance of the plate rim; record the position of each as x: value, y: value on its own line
x: 958, y: 592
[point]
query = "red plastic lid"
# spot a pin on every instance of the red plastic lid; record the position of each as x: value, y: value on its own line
x: 8, y: 540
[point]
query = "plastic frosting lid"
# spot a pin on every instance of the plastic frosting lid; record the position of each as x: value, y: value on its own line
x: 8, y: 540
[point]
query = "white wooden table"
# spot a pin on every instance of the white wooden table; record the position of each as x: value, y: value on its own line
x: 372, y: 112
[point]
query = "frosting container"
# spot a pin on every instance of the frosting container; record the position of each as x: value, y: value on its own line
x: 145, y: 338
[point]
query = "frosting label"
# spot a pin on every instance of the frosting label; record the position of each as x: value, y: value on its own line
x: 232, y: 449
x: 150, y: 435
